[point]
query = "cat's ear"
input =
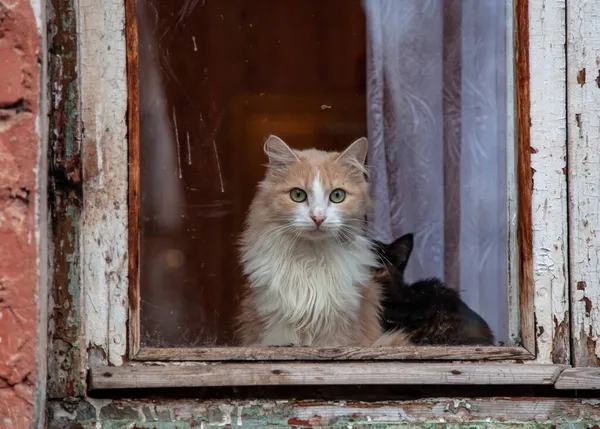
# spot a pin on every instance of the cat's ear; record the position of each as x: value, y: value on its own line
x: 381, y: 250
x: 355, y: 154
x: 399, y: 251
x: 280, y: 154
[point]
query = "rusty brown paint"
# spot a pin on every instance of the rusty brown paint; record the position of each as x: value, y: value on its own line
x: 64, y: 202
x: 131, y: 31
x: 581, y: 285
x: 561, y: 341
x: 581, y: 77
x: 578, y: 119
x: 524, y: 175
x: 588, y: 305
x: 598, y: 79
x: 593, y: 359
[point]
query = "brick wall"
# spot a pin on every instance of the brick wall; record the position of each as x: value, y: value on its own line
x: 20, y: 67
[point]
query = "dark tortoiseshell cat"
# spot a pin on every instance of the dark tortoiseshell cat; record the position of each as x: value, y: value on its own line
x: 427, y: 310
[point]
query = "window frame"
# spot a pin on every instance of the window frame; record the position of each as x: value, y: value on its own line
x: 112, y: 323
x: 524, y: 284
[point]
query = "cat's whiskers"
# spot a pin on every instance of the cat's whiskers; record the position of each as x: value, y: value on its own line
x: 278, y: 229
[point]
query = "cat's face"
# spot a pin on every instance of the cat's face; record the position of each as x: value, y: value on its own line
x: 315, y: 194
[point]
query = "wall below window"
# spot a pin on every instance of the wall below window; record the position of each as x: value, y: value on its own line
x: 433, y: 413
x: 21, y: 364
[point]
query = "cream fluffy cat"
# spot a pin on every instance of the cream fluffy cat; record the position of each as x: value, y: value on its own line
x: 306, y: 255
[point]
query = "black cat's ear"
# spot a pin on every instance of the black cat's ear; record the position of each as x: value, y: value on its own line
x: 381, y: 251
x: 399, y: 251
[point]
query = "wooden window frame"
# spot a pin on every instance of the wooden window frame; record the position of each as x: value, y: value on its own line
x: 122, y: 363
x: 524, y: 260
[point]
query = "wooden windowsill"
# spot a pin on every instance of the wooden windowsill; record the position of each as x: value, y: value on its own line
x: 149, y: 375
x: 442, y: 353
x: 586, y: 378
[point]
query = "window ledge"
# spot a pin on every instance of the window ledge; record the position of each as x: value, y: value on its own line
x: 150, y: 375
x: 442, y: 353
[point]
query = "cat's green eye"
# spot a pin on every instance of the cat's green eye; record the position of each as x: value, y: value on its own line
x: 298, y: 195
x: 337, y: 196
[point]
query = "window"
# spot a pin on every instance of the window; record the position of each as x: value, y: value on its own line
x: 211, y: 93
x: 182, y: 310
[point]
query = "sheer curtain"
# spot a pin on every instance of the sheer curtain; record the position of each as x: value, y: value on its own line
x: 437, y: 133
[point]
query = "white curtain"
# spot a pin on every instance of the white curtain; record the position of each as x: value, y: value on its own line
x: 437, y: 131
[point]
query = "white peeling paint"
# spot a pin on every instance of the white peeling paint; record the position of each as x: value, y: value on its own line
x: 548, y: 138
x: 39, y: 12
x: 104, y: 232
x: 583, y: 80
x: 226, y: 411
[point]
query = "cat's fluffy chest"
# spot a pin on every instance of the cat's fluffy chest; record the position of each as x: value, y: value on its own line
x: 308, y: 292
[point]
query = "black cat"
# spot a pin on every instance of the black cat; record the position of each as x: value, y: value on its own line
x: 427, y: 310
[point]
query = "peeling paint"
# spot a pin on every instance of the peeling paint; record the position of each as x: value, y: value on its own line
x: 548, y: 134
x: 584, y: 181
x: 103, y: 86
x: 581, y: 77
x: 431, y: 413
x: 66, y: 362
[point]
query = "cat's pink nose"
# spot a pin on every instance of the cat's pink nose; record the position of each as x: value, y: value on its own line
x: 318, y: 220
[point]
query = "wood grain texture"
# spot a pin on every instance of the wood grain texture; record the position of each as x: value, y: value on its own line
x: 134, y: 177
x: 524, y: 175
x: 583, y: 117
x: 549, y: 305
x: 103, y: 81
x: 452, y: 140
x: 338, y: 353
x: 151, y: 375
x: 542, y: 138
x: 66, y: 362
x: 579, y: 378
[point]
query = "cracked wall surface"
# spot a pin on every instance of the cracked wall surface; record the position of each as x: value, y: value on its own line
x: 20, y: 66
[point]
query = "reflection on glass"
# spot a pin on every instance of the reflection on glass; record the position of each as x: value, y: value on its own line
x: 218, y: 77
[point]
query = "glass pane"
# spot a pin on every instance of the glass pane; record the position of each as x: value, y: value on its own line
x: 426, y: 81
x: 216, y: 78
x: 437, y: 74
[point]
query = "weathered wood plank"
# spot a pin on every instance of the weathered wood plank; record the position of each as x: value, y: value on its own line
x: 152, y: 375
x: 583, y: 80
x: 547, y: 65
x: 524, y: 173
x: 134, y: 177
x: 104, y: 154
x: 66, y: 361
x: 454, y: 412
x: 337, y: 353
x: 579, y: 378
